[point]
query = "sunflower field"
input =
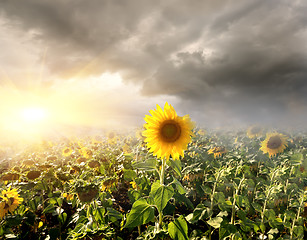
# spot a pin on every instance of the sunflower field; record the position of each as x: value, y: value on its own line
x: 168, y: 180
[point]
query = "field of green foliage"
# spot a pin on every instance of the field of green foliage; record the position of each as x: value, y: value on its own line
x: 108, y: 187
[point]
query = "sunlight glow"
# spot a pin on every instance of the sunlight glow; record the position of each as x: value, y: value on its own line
x: 33, y: 114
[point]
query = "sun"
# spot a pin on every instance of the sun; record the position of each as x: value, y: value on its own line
x: 33, y: 114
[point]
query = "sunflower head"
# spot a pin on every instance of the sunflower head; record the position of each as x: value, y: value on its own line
x: 167, y: 134
x: 86, y: 152
x: 67, y: 152
x: 254, y: 131
x: 10, y: 201
x: 274, y: 143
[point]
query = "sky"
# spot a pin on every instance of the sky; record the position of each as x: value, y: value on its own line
x: 106, y: 63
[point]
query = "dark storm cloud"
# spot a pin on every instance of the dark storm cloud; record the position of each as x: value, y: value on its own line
x: 227, y: 61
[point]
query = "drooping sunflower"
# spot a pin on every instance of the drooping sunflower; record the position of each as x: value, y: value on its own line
x: 274, y: 143
x: 254, y: 131
x: 217, y: 151
x: 166, y: 133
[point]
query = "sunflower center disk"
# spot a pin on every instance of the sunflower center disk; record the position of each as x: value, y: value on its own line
x: 170, y: 131
x: 274, y: 142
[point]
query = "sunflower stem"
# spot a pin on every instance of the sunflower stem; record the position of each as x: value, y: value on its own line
x: 297, y: 216
x: 162, y: 171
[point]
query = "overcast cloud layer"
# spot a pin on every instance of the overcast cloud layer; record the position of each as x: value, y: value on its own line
x: 225, y: 62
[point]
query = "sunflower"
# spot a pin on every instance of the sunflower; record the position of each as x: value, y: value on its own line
x: 67, y: 152
x: 86, y: 152
x: 134, y: 185
x: 217, y: 151
x: 201, y: 132
x: 81, y: 160
x: 33, y: 174
x: 274, y: 143
x: 166, y: 133
x: 10, y: 176
x: 94, y: 164
x: 68, y: 196
x: 10, y: 201
x: 126, y: 148
x: 254, y: 131
x: 139, y: 133
x: 3, y: 209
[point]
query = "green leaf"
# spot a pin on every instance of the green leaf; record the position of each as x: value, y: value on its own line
x: 49, y: 209
x: 179, y: 186
x: 270, y: 214
x: 226, y: 229
x: 262, y: 227
x: 223, y: 214
x: 219, y: 197
x: 241, y: 215
x: 175, y: 165
x: 257, y: 207
x: 148, y: 165
x: 178, y: 229
x: 296, y: 159
x: 215, y: 222
x: 201, y: 212
x: 99, y: 214
x: 141, y: 213
x: 298, y: 232
x: 183, y: 199
x: 62, y: 218
x: 161, y: 194
x: 129, y: 174
x: 114, y: 215
x: 239, y: 200
x: 273, y: 231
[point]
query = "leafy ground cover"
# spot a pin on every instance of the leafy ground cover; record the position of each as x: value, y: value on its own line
x: 109, y: 187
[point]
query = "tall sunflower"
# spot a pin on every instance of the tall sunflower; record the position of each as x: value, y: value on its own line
x: 254, y: 131
x: 274, y: 143
x: 166, y: 133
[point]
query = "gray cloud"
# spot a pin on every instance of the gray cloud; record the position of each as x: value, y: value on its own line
x: 225, y: 61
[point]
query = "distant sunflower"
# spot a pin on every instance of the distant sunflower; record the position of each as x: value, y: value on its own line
x: 67, y: 152
x: 139, y: 133
x: 68, y: 196
x: 217, y: 151
x: 274, y: 143
x: 254, y: 131
x: 86, y: 152
x: 166, y: 133
x: 112, y: 138
x: 201, y: 132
